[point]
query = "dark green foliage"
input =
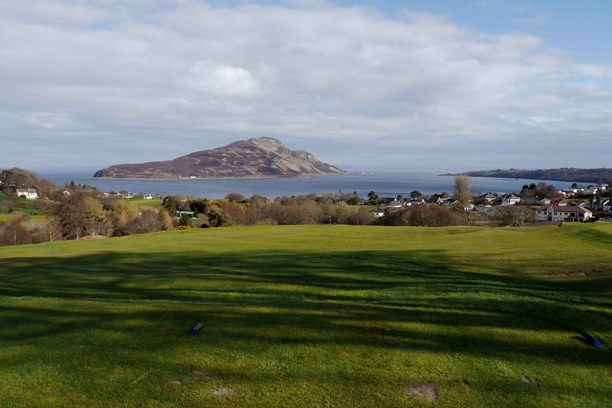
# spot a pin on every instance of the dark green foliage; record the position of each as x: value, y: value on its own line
x: 171, y: 204
x: 185, y: 221
x: 198, y: 206
x: 216, y: 218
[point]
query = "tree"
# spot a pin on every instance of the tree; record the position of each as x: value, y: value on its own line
x: 462, y: 189
x: 14, y: 232
x: 164, y: 220
x: 121, y: 215
x: 198, y: 206
x: 171, y: 204
x: 70, y: 213
x: 514, y: 215
x: 415, y: 194
x: 216, y: 218
x: 372, y: 198
x: 353, y: 199
x: 53, y: 230
x: 235, y: 197
x: 95, y: 221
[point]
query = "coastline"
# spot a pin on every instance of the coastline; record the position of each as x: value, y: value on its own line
x: 570, y: 175
x: 306, y: 176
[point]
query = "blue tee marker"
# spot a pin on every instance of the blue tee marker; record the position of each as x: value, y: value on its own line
x: 196, y: 329
x: 591, y: 339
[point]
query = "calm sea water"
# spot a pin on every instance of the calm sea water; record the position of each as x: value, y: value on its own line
x: 384, y: 184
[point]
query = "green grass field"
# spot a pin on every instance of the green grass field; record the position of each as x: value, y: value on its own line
x: 141, y: 202
x: 36, y: 219
x: 310, y: 316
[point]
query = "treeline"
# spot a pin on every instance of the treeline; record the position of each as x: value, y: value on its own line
x: 235, y: 209
x: 76, y: 212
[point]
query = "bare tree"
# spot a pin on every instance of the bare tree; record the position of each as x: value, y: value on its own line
x: 462, y: 189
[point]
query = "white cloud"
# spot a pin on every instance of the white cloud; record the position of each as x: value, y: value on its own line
x: 322, y: 74
x: 219, y: 80
x: 594, y: 71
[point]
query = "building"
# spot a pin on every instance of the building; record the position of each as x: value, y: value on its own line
x: 378, y: 213
x: 29, y: 193
x: 559, y: 213
x: 489, y: 197
x: 510, y: 199
x: 395, y: 204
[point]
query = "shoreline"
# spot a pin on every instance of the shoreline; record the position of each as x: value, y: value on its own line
x: 219, y: 178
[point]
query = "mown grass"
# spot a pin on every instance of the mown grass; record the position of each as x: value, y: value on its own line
x: 36, y: 219
x: 141, y: 202
x: 310, y: 316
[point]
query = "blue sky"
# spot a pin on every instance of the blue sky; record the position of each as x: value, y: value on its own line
x: 367, y: 85
x: 583, y: 28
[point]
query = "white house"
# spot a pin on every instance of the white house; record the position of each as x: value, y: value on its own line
x: 558, y: 213
x: 29, y: 193
x: 544, y: 201
x: 395, y: 204
x: 489, y: 197
x: 510, y: 199
x: 378, y: 213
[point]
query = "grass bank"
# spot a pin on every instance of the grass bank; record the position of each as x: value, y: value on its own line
x: 310, y: 316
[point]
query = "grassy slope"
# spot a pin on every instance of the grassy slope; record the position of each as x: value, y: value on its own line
x: 310, y: 316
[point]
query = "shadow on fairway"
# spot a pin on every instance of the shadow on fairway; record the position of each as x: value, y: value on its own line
x: 320, y: 299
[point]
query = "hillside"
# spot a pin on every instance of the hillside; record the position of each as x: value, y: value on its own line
x: 602, y: 175
x: 258, y: 157
x: 310, y: 316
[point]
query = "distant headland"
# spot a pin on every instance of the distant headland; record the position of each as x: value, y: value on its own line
x: 602, y: 175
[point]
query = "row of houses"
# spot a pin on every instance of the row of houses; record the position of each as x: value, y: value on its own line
x: 32, y: 194
x: 593, y: 189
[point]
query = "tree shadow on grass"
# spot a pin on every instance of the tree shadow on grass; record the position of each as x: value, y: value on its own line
x: 392, y: 300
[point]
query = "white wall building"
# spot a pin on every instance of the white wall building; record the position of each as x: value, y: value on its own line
x: 29, y: 193
x: 558, y: 213
x: 510, y: 199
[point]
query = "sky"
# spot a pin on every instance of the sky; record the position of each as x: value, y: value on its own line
x: 447, y: 85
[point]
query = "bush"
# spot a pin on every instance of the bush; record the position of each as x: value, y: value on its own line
x: 424, y: 215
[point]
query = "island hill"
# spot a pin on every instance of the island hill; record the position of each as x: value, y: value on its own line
x: 257, y: 157
x: 602, y: 175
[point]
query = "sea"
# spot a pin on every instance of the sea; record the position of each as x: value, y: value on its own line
x: 384, y: 184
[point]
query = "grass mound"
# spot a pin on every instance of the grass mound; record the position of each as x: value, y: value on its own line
x: 309, y: 316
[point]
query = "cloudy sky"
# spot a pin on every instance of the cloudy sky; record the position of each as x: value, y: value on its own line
x: 366, y: 85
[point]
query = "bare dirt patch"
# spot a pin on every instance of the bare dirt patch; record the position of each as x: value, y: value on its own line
x: 534, y: 382
x: 430, y: 392
x: 223, y: 392
x: 175, y: 382
x: 585, y: 272
x: 201, y: 373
